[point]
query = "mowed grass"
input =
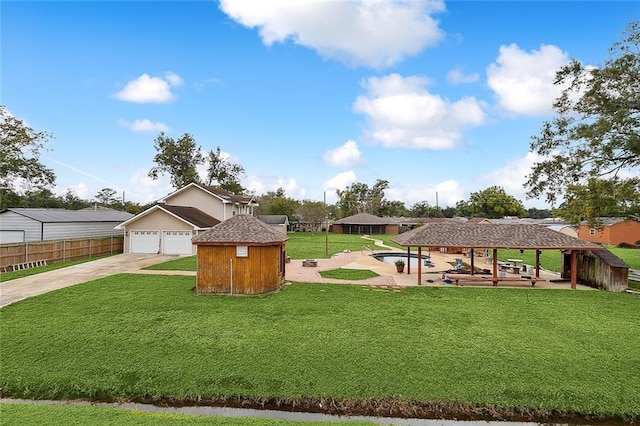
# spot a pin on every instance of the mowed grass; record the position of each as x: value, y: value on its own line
x: 57, y: 415
x: 348, y: 274
x: 133, y: 336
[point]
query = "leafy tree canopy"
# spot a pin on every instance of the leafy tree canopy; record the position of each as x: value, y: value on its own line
x: 313, y: 213
x: 492, y: 203
x: 178, y: 158
x: 594, y: 137
x: 20, y: 147
x: 359, y: 198
x: 225, y: 174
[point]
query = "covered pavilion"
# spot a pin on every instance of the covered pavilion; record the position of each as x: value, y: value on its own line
x: 493, y: 237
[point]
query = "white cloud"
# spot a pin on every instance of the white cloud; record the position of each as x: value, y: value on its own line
x: 403, y: 113
x: 523, y: 81
x: 448, y: 193
x: 144, y: 125
x: 261, y: 184
x: 147, y: 89
x: 200, y: 85
x: 458, y: 77
x: 347, y: 155
x: 339, y: 181
x: 513, y: 175
x: 374, y: 33
x: 146, y: 190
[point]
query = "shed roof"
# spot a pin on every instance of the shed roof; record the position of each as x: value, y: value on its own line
x: 363, y: 219
x: 490, y: 236
x: 241, y: 229
x: 67, y: 216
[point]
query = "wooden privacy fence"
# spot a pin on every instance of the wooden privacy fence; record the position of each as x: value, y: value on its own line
x: 58, y: 250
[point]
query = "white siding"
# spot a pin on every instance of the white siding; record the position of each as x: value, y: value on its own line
x: 10, y: 221
x: 60, y: 230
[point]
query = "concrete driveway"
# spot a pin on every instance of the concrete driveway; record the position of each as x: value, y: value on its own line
x: 21, y: 288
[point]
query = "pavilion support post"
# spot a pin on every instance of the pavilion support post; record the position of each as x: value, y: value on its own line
x: 495, y: 266
x: 473, y: 267
x: 537, y: 263
x: 408, y: 260
x: 574, y: 268
x: 419, y: 264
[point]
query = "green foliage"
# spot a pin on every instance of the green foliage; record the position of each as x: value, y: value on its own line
x: 492, y: 203
x: 20, y: 148
x: 225, y: 174
x: 393, y: 209
x: 595, y: 136
x: 178, y: 158
x: 359, y: 198
x: 136, y: 336
x: 348, y: 274
x: 313, y: 213
x: 107, y: 197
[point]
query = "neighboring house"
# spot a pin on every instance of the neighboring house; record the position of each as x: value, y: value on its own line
x: 169, y: 226
x: 365, y: 224
x: 565, y: 229
x: 241, y: 255
x: 614, y: 231
x: 279, y: 222
x: 478, y: 220
x: 19, y: 225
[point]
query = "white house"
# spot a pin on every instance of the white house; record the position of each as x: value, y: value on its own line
x: 169, y: 226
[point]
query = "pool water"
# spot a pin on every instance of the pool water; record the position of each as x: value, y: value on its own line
x: 391, y: 257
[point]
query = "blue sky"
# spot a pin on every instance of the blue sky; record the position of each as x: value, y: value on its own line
x: 310, y: 96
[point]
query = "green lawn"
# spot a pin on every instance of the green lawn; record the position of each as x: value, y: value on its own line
x: 348, y: 274
x: 151, y: 337
x: 56, y: 415
x: 550, y: 260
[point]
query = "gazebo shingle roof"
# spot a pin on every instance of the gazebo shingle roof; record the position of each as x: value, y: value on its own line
x: 241, y: 229
x: 363, y: 219
x: 491, y: 236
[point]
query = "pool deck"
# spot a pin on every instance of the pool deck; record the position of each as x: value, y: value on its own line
x: 390, y: 278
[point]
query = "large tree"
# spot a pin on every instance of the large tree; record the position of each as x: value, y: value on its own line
x: 595, y: 135
x: 225, y: 174
x: 106, y: 196
x: 313, y: 213
x: 492, y: 203
x: 178, y: 158
x: 359, y: 198
x: 20, y: 148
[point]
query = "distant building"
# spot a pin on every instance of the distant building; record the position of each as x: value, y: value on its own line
x: 614, y: 231
x: 20, y: 225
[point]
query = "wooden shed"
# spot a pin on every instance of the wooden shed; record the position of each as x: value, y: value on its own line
x: 241, y: 255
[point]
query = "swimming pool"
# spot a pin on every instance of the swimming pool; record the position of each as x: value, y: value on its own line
x: 392, y: 256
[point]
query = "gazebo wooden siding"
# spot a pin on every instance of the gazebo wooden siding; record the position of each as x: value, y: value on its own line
x: 221, y: 271
x: 242, y: 255
x: 600, y: 269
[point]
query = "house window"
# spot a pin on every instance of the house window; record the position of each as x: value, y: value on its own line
x: 592, y: 231
x: 242, y: 251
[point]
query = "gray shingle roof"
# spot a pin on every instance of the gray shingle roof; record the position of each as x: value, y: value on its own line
x: 241, y: 229
x: 490, y: 236
x: 192, y: 215
x: 274, y: 219
x: 229, y: 196
x: 67, y: 216
x: 363, y: 219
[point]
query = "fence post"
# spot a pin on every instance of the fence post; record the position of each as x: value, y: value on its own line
x: 64, y: 250
x: 26, y: 252
x: 89, y: 248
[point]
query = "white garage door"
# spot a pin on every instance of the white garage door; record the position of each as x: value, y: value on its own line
x: 176, y: 242
x: 145, y: 241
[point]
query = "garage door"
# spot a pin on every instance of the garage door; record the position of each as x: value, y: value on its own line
x: 176, y: 242
x: 145, y: 241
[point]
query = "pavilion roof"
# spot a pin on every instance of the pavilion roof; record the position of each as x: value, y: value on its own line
x: 489, y: 236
